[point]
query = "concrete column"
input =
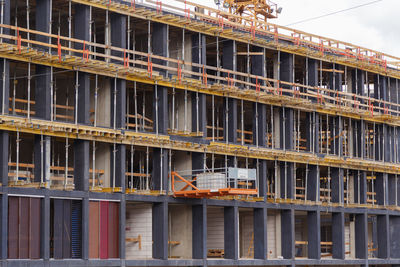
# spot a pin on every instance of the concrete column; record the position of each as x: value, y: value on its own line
x: 260, y: 233
x: 230, y: 105
x: 386, y: 142
x: 81, y: 165
x: 287, y: 128
x: 314, y: 234
x: 312, y: 72
x: 45, y: 229
x: 42, y: 92
x: 120, y: 160
x: 122, y: 226
x: 337, y: 185
x: 160, y: 230
x: 360, y: 187
x: 286, y: 69
x: 42, y: 20
x: 260, y: 124
x: 286, y: 180
x: 231, y: 233
x: 41, y: 158
x: 85, y: 228
x: 287, y: 234
x: 361, y: 235
x: 4, y: 225
x: 338, y: 146
x: 338, y: 239
x: 199, y: 113
x: 392, y: 189
x: 394, y: 228
x: 160, y: 169
x: 312, y: 132
x: 262, y: 177
x: 4, y: 85
x: 381, y: 188
x: 199, y: 233
x: 230, y: 114
x: 4, y: 146
x: 159, y: 43
x: 198, y: 51
x: 358, y: 82
x: 313, y: 191
x: 81, y: 25
x: 383, y: 236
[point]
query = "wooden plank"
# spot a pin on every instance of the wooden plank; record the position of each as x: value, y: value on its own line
x: 58, y: 208
x: 24, y: 227
x: 113, y: 230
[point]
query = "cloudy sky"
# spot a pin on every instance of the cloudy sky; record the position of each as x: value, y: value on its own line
x: 375, y: 26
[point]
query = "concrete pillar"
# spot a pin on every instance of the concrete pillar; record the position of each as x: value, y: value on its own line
x: 42, y: 92
x: 262, y: 177
x: 260, y: 124
x: 122, y: 226
x: 160, y: 169
x: 42, y: 20
x: 394, y: 228
x: 230, y: 105
x: 358, y: 82
x: 81, y: 147
x: 45, y: 228
x: 360, y: 187
x: 159, y: 43
x: 338, y: 138
x: 81, y: 165
x: 230, y: 120
x: 41, y: 158
x: 231, y: 233
x: 4, y: 226
x: 4, y: 146
x: 313, y: 191
x: 4, y: 85
x: 381, y: 188
x: 361, y: 235
x: 260, y: 233
x: 199, y: 233
x: 337, y: 185
x: 386, y: 143
x: 287, y: 234
x: 314, y: 234
x: 85, y: 228
x: 199, y: 113
x: 312, y: 132
x: 199, y: 48
x: 120, y: 163
x: 392, y: 189
x: 338, y: 239
x: 383, y: 236
x: 160, y: 230
x: 287, y: 128
x: 286, y: 72
x: 286, y: 180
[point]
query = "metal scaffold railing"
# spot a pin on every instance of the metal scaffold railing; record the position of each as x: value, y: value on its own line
x: 139, y: 66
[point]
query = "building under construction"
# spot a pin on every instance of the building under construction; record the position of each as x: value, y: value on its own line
x: 149, y: 133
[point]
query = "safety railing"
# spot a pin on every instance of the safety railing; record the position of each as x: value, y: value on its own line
x: 227, y: 80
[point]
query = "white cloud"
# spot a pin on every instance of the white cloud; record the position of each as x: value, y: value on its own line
x: 373, y: 26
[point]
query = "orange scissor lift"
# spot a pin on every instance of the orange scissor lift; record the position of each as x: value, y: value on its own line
x: 190, y: 190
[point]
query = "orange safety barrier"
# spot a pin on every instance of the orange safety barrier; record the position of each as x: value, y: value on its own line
x: 338, y: 100
x: 319, y: 97
x: 59, y: 48
x: 321, y: 47
x: 149, y: 66
x: 385, y: 109
x: 133, y: 4
x: 296, y: 93
x: 230, y: 81
x: 253, y: 32
x: 370, y: 106
x: 18, y: 41
x: 126, y: 60
x: 85, y: 54
x: 159, y: 7
x: 258, y: 86
x: 221, y: 23
x: 204, y: 77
